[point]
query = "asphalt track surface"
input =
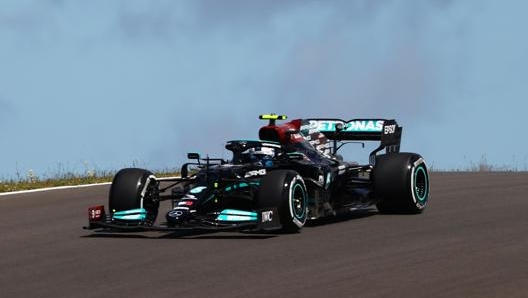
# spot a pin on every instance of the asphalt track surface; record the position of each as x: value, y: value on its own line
x: 472, y: 241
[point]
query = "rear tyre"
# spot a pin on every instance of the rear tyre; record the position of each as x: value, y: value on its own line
x: 133, y: 189
x: 401, y: 183
x: 286, y: 191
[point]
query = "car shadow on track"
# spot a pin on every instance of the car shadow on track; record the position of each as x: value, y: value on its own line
x: 241, y: 235
x: 341, y: 217
x: 115, y: 235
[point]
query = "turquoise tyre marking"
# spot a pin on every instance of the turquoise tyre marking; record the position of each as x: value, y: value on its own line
x: 303, y: 204
x: 421, y: 191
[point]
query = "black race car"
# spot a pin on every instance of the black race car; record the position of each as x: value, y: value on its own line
x: 292, y: 174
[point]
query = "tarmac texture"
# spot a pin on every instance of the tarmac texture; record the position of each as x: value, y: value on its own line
x: 472, y: 241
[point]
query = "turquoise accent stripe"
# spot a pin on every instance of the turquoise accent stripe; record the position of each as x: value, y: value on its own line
x: 236, y: 215
x: 238, y: 212
x: 241, y: 185
x: 134, y: 214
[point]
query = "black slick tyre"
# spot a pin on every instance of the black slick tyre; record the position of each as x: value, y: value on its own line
x: 132, y: 189
x: 401, y: 183
x: 286, y: 191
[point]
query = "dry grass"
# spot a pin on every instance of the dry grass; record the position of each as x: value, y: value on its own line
x: 32, y: 181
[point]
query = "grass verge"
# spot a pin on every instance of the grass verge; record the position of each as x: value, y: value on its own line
x: 68, y: 179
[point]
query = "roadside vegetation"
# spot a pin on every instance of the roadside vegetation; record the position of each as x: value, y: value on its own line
x: 32, y: 181
x: 484, y: 166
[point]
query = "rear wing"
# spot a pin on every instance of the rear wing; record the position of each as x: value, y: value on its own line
x: 387, y: 131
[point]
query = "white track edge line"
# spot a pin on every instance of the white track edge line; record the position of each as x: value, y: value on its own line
x: 4, y: 194
x: 51, y: 188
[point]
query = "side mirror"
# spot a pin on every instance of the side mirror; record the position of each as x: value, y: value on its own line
x: 193, y: 156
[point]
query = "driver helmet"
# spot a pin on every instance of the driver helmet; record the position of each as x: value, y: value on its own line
x: 263, y: 155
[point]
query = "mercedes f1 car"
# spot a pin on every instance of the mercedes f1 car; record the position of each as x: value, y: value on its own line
x: 292, y: 174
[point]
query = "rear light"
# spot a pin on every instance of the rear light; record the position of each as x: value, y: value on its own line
x: 186, y: 203
x: 96, y: 213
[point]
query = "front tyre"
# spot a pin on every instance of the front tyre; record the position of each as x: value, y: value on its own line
x: 134, y: 189
x: 401, y: 183
x: 286, y: 191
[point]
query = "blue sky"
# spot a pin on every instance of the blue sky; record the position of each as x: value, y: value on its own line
x: 100, y: 85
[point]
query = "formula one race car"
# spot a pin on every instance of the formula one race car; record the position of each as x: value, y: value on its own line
x: 292, y: 174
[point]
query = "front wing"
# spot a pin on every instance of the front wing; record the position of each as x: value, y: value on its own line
x: 226, y: 220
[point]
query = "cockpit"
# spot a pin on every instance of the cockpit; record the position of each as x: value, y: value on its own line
x: 253, y: 152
